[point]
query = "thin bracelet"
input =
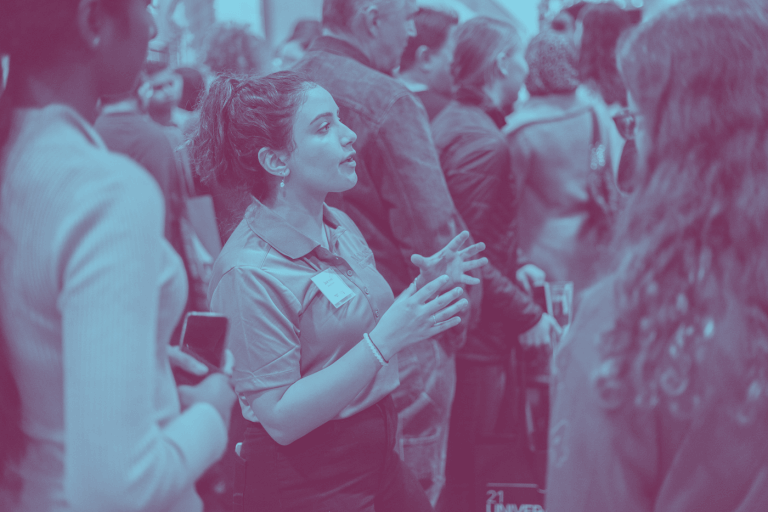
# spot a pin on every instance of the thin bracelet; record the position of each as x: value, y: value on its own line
x: 376, y: 352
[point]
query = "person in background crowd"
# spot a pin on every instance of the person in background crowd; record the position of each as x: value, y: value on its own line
x: 315, y: 327
x: 91, y: 289
x: 627, y: 170
x: 164, y: 91
x: 488, y: 70
x: 233, y: 48
x: 568, y: 196
x: 294, y: 48
x: 425, y: 66
x: 193, y: 87
x: 660, y: 389
x: 565, y: 21
x: 401, y: 203
x: 126, y: 129
x: 601, y: 27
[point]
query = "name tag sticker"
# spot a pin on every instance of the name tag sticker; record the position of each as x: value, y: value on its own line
x: 333, y: 287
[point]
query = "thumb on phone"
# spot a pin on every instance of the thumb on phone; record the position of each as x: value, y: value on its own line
x: 229, y: 363
x: 180, y: 359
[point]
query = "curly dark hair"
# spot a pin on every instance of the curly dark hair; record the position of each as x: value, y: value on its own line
x: 695, y: 255
x: 232, y: 48
x: 239, y: 115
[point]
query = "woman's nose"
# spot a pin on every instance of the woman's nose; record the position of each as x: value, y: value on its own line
x: 349, y: 136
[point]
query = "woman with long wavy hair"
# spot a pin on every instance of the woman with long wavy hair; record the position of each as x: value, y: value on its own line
x: 661, y: 386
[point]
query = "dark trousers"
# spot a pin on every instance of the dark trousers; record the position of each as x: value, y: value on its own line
x: 481, y: 407
x: 346, y: 465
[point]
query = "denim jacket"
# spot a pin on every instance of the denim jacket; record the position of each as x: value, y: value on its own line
x: 401, y: 202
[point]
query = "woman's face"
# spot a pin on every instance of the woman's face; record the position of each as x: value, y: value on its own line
x: 516, y: 70
x: 322, y: 160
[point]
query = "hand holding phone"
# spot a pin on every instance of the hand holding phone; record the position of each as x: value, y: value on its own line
x: 203, y: 339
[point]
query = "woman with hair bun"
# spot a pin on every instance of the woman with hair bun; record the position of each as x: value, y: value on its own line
x: 661, y: 385
x: 314, y: 326
x: 563, y: 163
x: 488, y: 70
x: 91, y: 291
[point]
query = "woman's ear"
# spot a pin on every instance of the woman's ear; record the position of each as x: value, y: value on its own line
x: 423, y: 58
x: 501, y: 63
x: 371, y: 19
x: 91, y: 22
x: 273, y: 162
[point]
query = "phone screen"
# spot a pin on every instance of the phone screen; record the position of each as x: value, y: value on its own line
x: 204, y: 335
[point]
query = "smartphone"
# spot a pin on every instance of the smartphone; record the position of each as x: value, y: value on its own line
x: 204, y: 337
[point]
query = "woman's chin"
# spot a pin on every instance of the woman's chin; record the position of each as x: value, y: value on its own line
x: 352, y: 179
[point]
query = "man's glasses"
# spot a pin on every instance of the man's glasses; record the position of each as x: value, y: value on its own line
x: 626, y: 123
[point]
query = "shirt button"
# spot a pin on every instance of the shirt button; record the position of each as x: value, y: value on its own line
x: 366, y: 291
x: 376, y: 313
x: 349, y: 273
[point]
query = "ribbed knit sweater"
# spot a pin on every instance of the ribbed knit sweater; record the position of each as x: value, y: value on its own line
x: 90, y: 294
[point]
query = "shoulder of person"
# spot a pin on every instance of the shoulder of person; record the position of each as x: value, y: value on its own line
x: 539, y: 110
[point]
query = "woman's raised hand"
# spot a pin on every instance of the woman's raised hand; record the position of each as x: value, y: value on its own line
x: 452, y: 261
x: 417, y: 315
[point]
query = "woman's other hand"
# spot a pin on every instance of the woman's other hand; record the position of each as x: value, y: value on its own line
x: 452, y: 261
x: 416, y: 316
x: 529, y: 276
x: 546, y: 332
x: 216, y: 389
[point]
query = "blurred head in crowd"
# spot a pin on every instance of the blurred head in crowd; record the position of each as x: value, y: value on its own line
x: 602, y: 26
x: 379, y: 28
x: 693, y: 234
x: 565, y: 20
x: 233, y: 48
x: 294, y: 48
x: 427, y: 58
x: 489, y: 60
x: 164, y: 89
x: 193, y: 86
x: 552, y: 64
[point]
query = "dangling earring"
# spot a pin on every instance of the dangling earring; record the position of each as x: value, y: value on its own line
x: 282, y: 182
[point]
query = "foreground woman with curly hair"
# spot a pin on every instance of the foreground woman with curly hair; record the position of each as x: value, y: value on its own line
x: 661, y: 387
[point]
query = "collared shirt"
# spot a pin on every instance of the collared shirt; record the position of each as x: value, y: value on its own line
x: 282, y: 327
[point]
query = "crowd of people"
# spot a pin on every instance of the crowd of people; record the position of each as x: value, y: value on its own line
x: 389, y: 193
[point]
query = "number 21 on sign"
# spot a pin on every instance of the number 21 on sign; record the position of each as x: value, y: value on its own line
x: 495, y: 503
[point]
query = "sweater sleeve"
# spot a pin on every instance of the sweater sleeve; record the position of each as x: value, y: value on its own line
x: 109, y: 250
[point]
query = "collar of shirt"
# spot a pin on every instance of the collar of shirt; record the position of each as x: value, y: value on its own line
x: 339, y: 47
x: 476, y: 97
x: 60, y: 113
x: 277, y: 232
x: 414, y: 86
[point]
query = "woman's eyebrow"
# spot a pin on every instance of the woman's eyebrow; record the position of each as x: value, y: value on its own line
x: 324, y: 114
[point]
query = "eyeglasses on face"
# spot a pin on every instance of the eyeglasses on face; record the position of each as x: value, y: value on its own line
x: 626, y: 123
